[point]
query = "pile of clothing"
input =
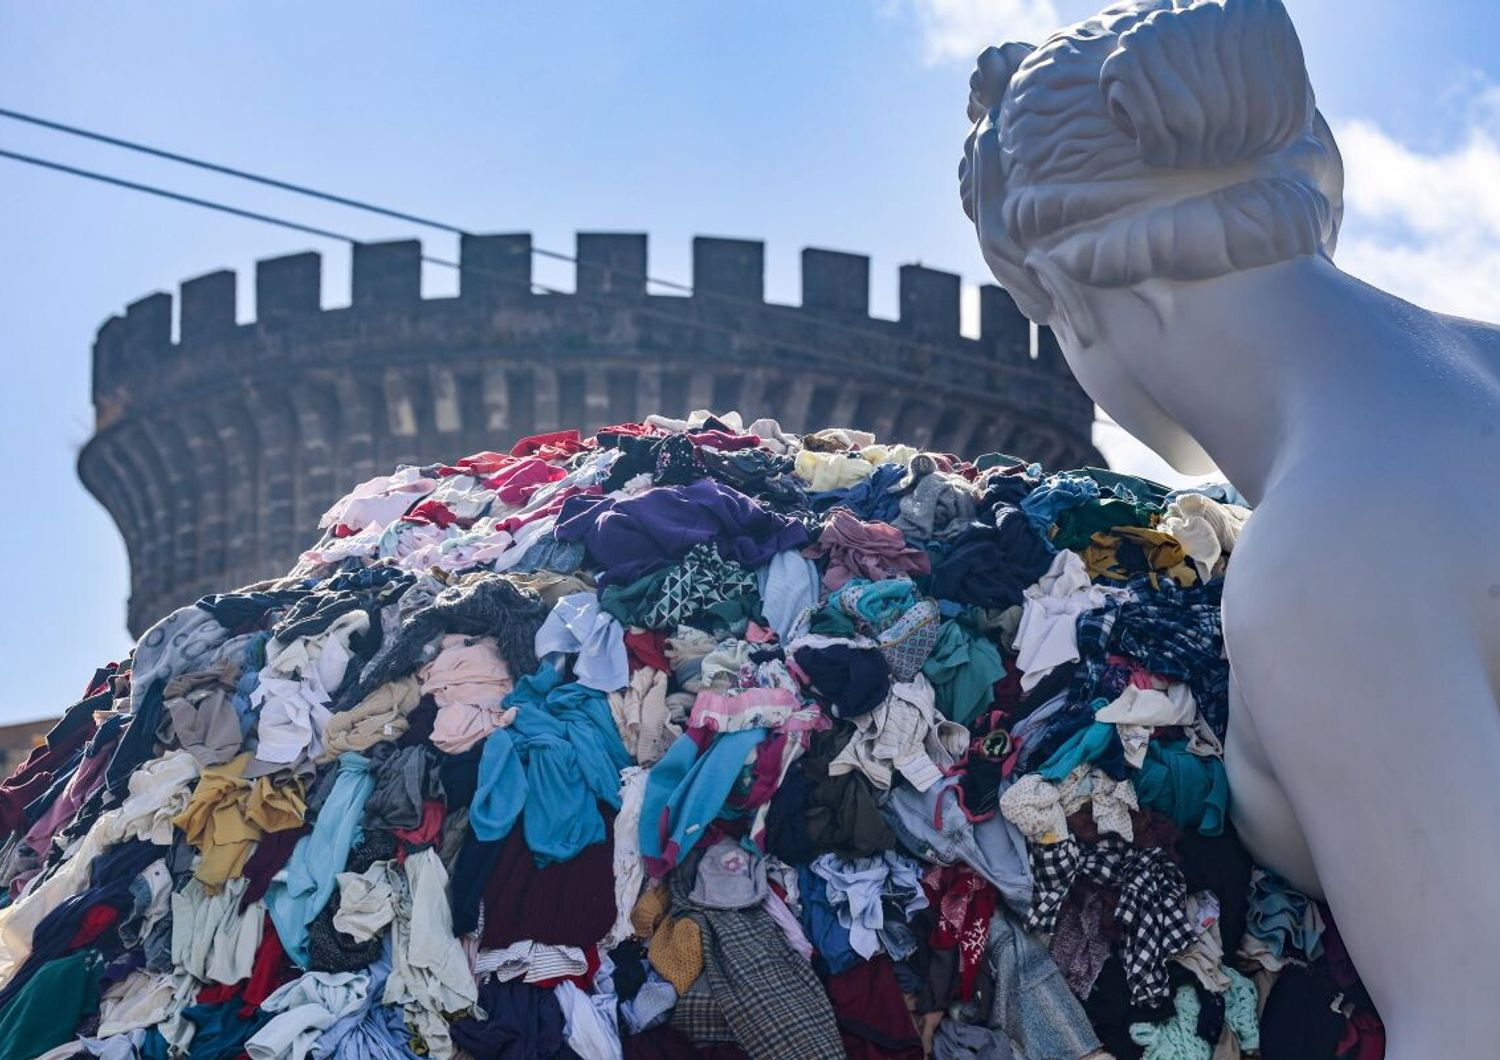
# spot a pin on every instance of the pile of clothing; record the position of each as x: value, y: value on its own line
x: 690, y: 738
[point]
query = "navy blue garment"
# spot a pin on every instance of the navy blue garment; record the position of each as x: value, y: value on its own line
x: 522, y: 1022
x: 110, y: 877
x: 60, y: 780
x: 138, y: 745
x: 871, y: 499
x: 1175, y: 632
x: 471, y: 872
x: 829, y: 937
x: 221, y: 1031
x: 1001, y: 492
x: 992, y: 566
x: 851, y: 681
x: 101, y: 743
x: 241, y: 612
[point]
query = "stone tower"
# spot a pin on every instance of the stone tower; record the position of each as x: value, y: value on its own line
x: 215, y: 454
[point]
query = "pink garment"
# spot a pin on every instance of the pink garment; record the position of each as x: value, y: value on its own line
x: 1140, y: 677
x: 515, y: 484
x: 755, y: 633
x: 753, y: 708
x: 468, y: 680
x: 85, y: 781
x: 790, y: 926
x: 723, y: 440
x: 857, y: 549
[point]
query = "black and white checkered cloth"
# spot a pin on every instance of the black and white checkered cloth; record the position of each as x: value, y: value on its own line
x: 1151, y: 912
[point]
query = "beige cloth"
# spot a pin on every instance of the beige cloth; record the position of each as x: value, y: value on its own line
x: 1206, y: 529
x: 378, y: 718
x: 643, y: 716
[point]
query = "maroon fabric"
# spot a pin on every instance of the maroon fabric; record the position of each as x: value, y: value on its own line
x: 35, y: 775
x: 570, y: 903
x: 1364, y: 1037
x: 668, y: 1043
x: 271, y: 853
x: 873, y: 1018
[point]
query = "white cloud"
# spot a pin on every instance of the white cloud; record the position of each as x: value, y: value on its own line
x: 961, y: 29
x: 1425, y: 225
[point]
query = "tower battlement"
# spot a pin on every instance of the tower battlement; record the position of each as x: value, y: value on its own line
x: 218, y: 443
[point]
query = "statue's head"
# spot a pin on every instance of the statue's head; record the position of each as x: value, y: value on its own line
x: 1162, y: 140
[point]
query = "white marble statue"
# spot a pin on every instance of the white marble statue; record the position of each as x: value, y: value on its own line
x: 1157, y: 185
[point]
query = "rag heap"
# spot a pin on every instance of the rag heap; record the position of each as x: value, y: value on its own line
x: 691, y: 737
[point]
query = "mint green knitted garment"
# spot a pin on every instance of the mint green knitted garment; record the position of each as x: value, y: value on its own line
x: 1177, y: 1038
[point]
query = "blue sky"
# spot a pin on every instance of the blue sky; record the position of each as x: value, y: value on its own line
x: 836, y: 123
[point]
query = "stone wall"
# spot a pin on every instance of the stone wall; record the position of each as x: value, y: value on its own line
x: 216, y: 453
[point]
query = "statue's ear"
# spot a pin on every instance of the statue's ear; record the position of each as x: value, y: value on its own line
x: 1211, y: 85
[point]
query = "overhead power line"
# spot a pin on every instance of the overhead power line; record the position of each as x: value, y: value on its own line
x: 302, y: 189
x: 831, y: 326
x: 854, y: 362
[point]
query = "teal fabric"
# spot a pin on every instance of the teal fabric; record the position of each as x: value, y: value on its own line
x: 686, y: 790
x: 877, y: 604
x: 558, y: 760
x: 1192, y: 790
x: 45, y: 1012
x: 1087, y: 745
x: 320, y: 856
x: 963, y: 669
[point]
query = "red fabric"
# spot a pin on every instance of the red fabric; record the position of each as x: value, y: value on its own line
x: 270, y: 856
x: 584, y: 982
x: 647, y: 648
x: 427, y: 830
x: 1008, y: 691
x: 552, y: 446
x: 964, y: 902
x: 434, y: 513
x: 568, y: 903
x: 610, y: 436
x: 552, y: 507
x: 103, y: 680
x: 485, y: 463
x: 873, y: 1018
x: 1364, y: 1038
x: 269, y: 972
x: 95, y: 922
x: 218, y: 993
x: 515, y: 484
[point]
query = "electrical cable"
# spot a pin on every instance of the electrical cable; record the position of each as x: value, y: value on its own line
x: 855, y: 363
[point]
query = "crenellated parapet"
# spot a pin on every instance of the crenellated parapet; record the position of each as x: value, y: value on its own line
x: 216, y: 451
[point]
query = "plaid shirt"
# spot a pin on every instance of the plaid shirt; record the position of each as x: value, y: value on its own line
x: 1151, y: 911
x: 1175, y: 632
x: 766, y: 991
